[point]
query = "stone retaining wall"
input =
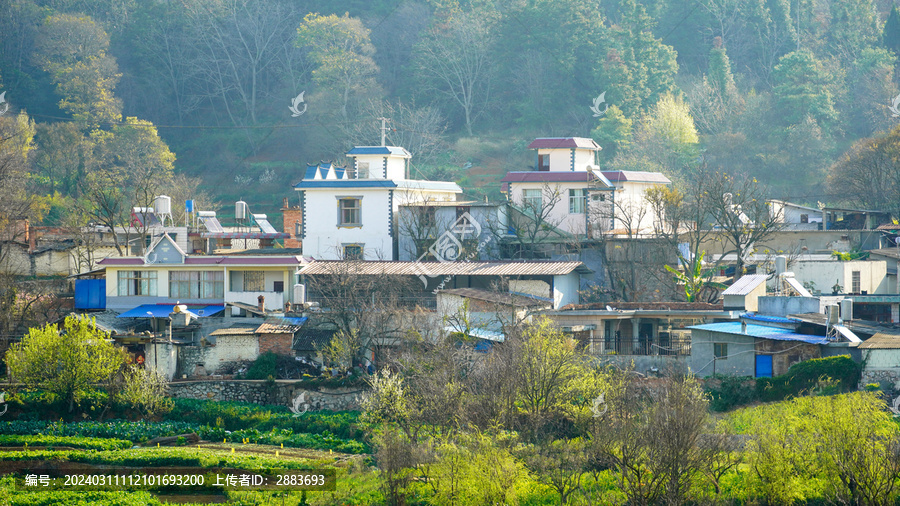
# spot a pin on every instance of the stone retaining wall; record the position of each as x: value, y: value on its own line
x: 888, y: 379
x: 285, y: 393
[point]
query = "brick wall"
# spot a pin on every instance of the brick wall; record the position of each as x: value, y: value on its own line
x: 279, y: 344
x: 292, y: 216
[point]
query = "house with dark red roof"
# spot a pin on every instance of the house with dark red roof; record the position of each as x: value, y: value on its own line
x: 166, y: 275
x: 566, y: 192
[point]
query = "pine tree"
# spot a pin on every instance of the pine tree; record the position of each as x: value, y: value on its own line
x: 890, y: 36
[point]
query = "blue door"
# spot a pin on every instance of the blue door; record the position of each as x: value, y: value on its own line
x: 764, y: 366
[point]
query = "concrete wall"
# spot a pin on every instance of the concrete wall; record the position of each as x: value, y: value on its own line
x: 650, y: 365
x: 565, y: 289
x: 741, y: 359
x: 324, y: 239
x: 559, y: 215
x: 783, y: 305
x: 491, y: 219
x: 873, y: 275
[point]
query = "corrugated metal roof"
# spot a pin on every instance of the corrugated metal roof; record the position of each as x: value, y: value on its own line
x: 645, y: 306
x: 760, y: 332
x: 882, y: 341
x: 636, y: 176
x: 563, y: 142
x: 235, y: 330
x: 536, y: 268
x: 511, y: 299
x: 745, y: 284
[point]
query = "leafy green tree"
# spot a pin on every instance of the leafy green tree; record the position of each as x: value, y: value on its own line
x: 343, y: 53
x: 890, y: 35
x: 803, y: 88
x: 613, y: 132
x: 694, y: 278
x: 73, y: 50
x: 130, y: 165
x: 145, y: 390
x: 868, y: 174
x: 67, y: 361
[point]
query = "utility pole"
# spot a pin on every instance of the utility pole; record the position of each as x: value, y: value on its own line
x: 383, y: 130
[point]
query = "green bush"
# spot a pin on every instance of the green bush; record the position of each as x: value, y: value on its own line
x: 140, y: 432
x: 728, y: 392
x: 263, y: 367
x: 840, y: 373
x: 242, y: 415
x: 85, y: 443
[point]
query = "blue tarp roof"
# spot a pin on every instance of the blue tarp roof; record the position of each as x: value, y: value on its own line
x: 761, y: 332
x: 163, y: 310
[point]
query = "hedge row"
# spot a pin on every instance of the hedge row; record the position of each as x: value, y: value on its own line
x: 140, y: 432
x: 84, y: 443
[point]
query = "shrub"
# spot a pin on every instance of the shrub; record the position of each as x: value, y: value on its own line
x: 85, y: 443
x: 264, y: 366
x: 728, y: 392
x: 841, y: 373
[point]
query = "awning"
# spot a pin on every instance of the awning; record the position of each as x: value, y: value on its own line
x: 163, y: 311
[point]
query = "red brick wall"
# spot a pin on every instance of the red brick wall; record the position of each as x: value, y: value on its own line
x: 292, y: 216
x: 279, y: 344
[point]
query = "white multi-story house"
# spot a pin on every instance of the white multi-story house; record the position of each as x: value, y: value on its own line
x: 567, y: 190
x: 352, y: 212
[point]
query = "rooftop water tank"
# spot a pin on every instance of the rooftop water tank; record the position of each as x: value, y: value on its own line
x: 240, y: 210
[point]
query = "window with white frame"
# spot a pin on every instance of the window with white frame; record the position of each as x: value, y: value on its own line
x: 362, y: 170
x: 196, y: 284
x: 349, y: 212
x: 576, y: 201
x: 532, y: 198
x: 855, y: 283
x: 137, y: 283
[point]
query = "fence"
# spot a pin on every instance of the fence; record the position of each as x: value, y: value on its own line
x: 661, y: 345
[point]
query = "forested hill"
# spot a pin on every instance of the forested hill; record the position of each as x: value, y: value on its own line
x: 778, y: 90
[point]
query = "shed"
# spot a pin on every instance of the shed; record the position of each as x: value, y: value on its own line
x: 745, y: 292
x: 881, y: 359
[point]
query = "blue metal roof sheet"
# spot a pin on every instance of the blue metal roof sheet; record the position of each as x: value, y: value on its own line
x: 760, y: 331
x: 769, y: 319
x: 346, y: 183
x: 163, y: 311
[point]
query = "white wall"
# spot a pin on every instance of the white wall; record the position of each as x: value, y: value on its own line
x: 324, y: 240
x: 565, y: 289
x: 873, y: 274
x: 561, y: 159
x: 559, y: 215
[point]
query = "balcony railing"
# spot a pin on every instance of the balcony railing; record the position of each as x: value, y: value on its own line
x: 673, y: 346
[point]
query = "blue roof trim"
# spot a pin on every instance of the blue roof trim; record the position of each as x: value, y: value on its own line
x: 760, y: 331
x: 346, y: 183
x: 311, y: 172
x: 339, y: 172
x: 378, y: 150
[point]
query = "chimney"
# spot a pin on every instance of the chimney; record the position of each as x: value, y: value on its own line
x: 743, y: 327
x: 284, y: 204
x: 261, y: 303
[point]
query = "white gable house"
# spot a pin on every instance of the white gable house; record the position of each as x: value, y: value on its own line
x: 351, y: 213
